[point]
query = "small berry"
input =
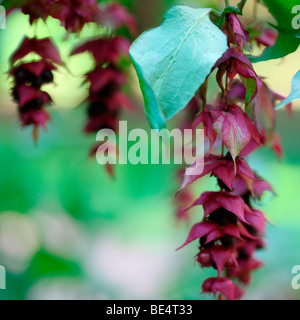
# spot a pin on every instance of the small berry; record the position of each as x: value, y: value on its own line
x: 47, y: 76
x: 21, y: 76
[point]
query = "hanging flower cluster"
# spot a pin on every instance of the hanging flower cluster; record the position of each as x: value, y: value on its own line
x: 73, y: 14
x: 29, y: 77
x: 109, y: 75
x: 106, y: 80
x: 243, y: 118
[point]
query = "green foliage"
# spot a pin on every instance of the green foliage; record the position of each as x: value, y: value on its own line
x: 281, y: 10
x: 294, y: 33
x: 12, y: 3
x: 288, y: 39
x: 173, y: 60
x: 284, y: 45
x: 46, y: 264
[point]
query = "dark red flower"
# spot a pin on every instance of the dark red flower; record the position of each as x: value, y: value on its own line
x: 237, y: 92
x: 237, y: 33
x: 234, y: 62
x: 210, y: 231
x: 33, y: 73
x: 256, y: 219
x: 223, y: 168
x: 37, y: 118
x: 218, y: 257
x: 235, y: 128
x: 73, y: 14
x: 183, y: 199
x: 231, y: 229
x: 29, y: 77
x: 41, y: 9
x: 212, y: 201
x: 42, y: 47
x: 105, y: 80
x: 115, y: 16
x: 222, y: 285
x: 244, y: 270
x: 80, y: 13
x: 28, y: 94
x: 105, y: 49
x: 256, y: 188
x: 205, y: 117
x: 267, y: 37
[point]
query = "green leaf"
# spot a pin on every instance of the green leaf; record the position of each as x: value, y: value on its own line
x: 6, y: 4
x: 295, y: 93
x: 295, y: 33
x: 281, y: 10
x: 46, y: 264
x: 173, y: 60
x: 251, y: 89
x: 284, y: 45
x: 9, y: 4
x: 288, y: 40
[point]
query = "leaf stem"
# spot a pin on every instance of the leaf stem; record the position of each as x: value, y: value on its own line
x: 222, y: 155
x: 215, y: 13
x: 226, y: 91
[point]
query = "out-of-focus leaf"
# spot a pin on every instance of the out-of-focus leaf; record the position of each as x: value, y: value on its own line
x: 8, y: 4
x: 287, y: 41
x: 295, y: 93
x: 281, y: 10
x: 295, y: 33
x: 284, y: 45
x: 173, y: 60
x: 45, y: 264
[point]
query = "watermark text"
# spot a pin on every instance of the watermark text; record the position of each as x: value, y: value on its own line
x: 2, y: 18
x: 296, y: 19
x: 138, y: 146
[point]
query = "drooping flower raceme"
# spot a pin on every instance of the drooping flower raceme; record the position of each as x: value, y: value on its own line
x: 29, y: 77
x: 73, y: 14
x: 243, y: 117
x: 106, y: 80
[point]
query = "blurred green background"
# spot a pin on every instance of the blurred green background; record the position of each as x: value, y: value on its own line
x: 68, y: 231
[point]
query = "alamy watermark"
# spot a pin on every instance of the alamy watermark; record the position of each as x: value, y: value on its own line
x: 2, y: 18
x: 137, y: 146
x: 2, y: 278
x: 296, y: 19
x: 296, y: 278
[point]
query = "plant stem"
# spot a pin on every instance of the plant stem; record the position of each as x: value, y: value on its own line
x: 241, y: 5
x: 226, y: 91
x: 227, y: 3
x: 222, y: 155
x: 215, y: 13
x: 255, y: 10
